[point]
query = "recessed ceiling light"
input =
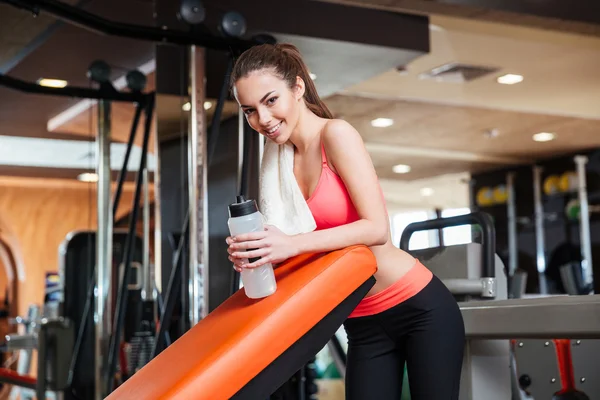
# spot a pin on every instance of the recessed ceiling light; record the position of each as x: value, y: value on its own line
x: 510, y: 79
x: 426, y: 192
x: 401, y: 168
x: 491, y: 133
x: 54, y: 83
x: 312, y: 76
x: 382, y: 122
x: 544, y: 137
x: 188, y: 106
x: 88, y: 177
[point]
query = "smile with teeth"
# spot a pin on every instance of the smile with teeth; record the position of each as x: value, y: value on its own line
x: 273, y: 129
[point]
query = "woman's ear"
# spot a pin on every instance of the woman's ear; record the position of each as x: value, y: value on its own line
x: 299, y: 88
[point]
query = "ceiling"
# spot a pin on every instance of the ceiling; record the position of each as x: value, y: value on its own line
x: 441, y: 129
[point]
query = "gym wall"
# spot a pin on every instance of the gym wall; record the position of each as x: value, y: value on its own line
x: 42, y: 212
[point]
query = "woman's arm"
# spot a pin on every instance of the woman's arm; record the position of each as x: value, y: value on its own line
x: 347, y: 153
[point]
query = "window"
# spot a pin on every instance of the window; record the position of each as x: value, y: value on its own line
x: 456, y: 234
x: 418, y: 240
x: 424, y: 239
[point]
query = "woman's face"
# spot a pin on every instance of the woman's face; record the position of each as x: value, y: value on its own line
x: 270, y: 106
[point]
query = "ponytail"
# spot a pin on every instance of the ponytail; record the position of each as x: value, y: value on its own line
x: 311, y: 96
x: 286, y: 61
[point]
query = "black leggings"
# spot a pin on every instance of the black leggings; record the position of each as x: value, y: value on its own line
x: 425, y: 331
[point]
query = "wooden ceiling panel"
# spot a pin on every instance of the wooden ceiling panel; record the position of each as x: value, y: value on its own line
x: 422, y: 168
x: 463, y: 128
x: 17, y: 29
x: 169, y: 111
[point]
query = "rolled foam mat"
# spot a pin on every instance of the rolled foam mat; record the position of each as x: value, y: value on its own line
x: 245, y: 348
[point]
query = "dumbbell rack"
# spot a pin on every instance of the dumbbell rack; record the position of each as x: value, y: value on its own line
x: 540, y: 218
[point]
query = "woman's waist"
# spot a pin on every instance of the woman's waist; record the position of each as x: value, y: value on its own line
x: 385, y: 295
x: 392, y: 265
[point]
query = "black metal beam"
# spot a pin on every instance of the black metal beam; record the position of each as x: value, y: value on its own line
x: 587, y: 11
x: 119, y: 319
x: 105, y: 92
x: 340, y: 22
x: 94, y: 23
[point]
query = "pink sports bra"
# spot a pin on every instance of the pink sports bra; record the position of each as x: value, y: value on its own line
x: 332, y: 206
x: 330, y: 203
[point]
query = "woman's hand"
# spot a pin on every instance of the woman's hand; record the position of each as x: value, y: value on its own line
x: 271, y: 245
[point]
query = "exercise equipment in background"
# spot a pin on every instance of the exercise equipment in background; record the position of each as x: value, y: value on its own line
x: 551, y: 185
x: 541, y: 365
x: 573, y: 209
x: 564, y: 183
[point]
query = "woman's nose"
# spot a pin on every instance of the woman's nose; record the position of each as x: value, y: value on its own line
x: 264, y: 118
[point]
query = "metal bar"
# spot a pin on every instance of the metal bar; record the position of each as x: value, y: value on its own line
x: 198, y: 200
x: 235, y: 276
x: 70, y: 91
x: 157, y: 265
x: 161, y: 310
x: 103, y: 247
x: 241, y: 137
x: 246, y: 158
x: 11, y: 377
x: 123, y: 172
x: 123, y: 293
x: 171, y: 292
x: 25, y: 341
x: 512, y: 224
x: 584, y: 220
x: 540, y: 246
x: 261, y: 150
x: 213, y: 137
x: 148, y: 286
x: 193, y: 191
x: 549, y: 317
x: 484, y: 220
x: 301, y: 379
x: 439, y: 231
x: 83, y: 19
x: 338, y: 354
x: 479, y: 287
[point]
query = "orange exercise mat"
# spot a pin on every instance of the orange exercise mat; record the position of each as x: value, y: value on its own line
x: 245, y: 348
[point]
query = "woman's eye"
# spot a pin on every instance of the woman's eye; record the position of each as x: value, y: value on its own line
x: 272, y: 100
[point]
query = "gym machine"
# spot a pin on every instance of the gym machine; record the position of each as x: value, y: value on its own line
x: 61, y: 340
x: 471, y: 272
x: 115, y: 254
x: 512, y: 350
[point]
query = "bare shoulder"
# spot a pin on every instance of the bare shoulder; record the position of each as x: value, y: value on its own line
x: 341, y: 138
x: 338, y: 131
x: 344, y: 146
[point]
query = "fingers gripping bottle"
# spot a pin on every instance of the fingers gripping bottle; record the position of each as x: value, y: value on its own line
x: 244, y: 217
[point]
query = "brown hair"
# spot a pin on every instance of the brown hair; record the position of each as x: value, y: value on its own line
x: 286, y: 62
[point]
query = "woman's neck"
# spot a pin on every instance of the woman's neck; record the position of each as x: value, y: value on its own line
x: 307, y: 130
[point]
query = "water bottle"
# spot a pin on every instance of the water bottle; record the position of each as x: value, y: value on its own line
x: 244, y: 217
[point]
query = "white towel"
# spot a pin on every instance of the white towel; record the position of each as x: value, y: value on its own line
x: 280, y: 200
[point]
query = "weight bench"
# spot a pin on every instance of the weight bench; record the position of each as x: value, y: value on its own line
x: 246, y: 349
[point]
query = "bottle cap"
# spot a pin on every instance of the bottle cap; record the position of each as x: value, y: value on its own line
x: 242, y: 207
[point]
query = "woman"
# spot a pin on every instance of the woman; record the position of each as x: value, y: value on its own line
x: 409, y: 315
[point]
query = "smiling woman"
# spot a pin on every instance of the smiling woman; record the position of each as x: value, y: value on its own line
x: 409, y: 315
